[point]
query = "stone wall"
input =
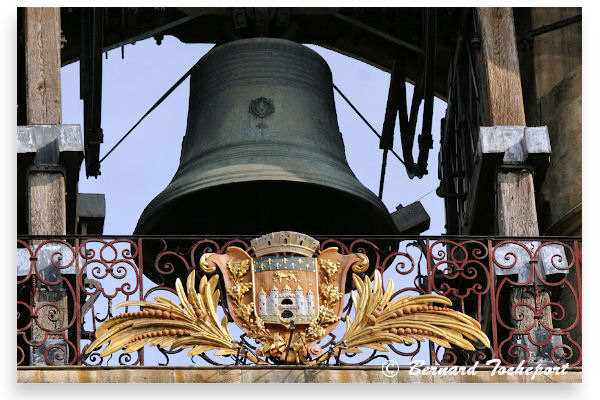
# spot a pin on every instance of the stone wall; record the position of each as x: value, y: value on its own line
x: 551, y: 81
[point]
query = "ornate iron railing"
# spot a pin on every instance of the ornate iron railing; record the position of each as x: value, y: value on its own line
x: 67, y: 286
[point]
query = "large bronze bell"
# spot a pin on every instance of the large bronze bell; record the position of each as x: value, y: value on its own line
x: 263, y: 152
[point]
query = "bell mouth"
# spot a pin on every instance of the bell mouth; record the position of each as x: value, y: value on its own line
x: 256, y: 208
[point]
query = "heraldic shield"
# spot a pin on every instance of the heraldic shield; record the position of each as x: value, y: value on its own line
x: 287, y: 297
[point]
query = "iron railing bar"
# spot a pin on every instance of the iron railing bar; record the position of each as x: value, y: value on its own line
x: 77, y: 300
x: 141, y: 351
x: 494, y: 303
x: 430, y: 246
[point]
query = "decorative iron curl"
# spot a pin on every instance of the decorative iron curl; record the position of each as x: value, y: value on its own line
x: 449, y: 357
x: 343, y: 249
x: 514, y: 351
x: 59, y: 355
x: 168, y: 268
x: 407, y: 353
x: 511, y: 257
x: 568, y: 352
x: 20, y: 355
x: 125, y: 358
x: 558, y: 257
x: 469, y: 265
x: 54, y: 313
x: 93, y: 359
x: 373, y: 356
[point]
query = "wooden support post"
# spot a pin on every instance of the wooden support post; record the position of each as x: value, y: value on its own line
x: 515, y: 197
x: 46, y: 189
x: 501, y: 92
x: 42, y: 55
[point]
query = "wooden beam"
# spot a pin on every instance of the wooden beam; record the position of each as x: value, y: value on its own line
x: 47, y: 208
x: 501, y: 80
x: 516, y: 213
x: 42, y: 66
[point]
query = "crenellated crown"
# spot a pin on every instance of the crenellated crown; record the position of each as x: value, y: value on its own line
x: 285, y: 241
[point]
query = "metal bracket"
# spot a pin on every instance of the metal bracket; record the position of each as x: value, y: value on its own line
x: 516, y: 147
x: 46, y: 159
x: 528, y: 167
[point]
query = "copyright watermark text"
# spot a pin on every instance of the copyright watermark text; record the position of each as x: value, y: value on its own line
x: 391, y: 368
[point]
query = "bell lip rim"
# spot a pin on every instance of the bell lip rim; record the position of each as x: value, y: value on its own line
x: 382, y: 212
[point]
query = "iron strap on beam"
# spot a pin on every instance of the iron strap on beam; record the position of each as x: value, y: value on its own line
x: 90, y: 85
x: 386, y: 141
x: 425, y: 138
x: 529, y: 35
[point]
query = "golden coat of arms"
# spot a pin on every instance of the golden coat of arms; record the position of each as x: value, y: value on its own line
x: 288, y: 298
x: 284, y: 297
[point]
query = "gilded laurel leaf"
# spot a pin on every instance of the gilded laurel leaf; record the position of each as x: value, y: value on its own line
x: 329, y: 295
x: 379, y: 322
x: 192, y: 323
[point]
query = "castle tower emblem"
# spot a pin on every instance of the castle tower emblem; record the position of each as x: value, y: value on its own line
x: 284, y: 261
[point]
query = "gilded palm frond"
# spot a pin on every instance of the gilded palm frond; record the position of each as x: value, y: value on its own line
x: 193, y: 323
x: 378, y: 322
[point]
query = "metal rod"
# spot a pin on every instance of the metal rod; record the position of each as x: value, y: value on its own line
x: 158, y: 102
x: 159, y: 29
x: 374, y: 31
x: 365, y: 120
x: 551, y: 27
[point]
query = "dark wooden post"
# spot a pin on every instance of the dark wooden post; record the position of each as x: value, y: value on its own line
x: 502, y: 100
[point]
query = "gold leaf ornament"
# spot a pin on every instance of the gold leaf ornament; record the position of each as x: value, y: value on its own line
x: 379, y: 321
x: 191, y: 324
